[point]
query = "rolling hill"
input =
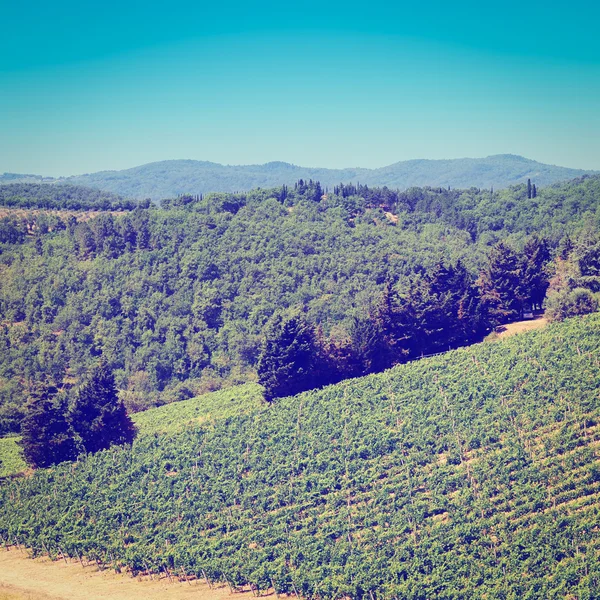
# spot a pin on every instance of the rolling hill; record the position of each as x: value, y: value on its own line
x: 178, y: 297
x: 173, y: 177
x: 470, y: 475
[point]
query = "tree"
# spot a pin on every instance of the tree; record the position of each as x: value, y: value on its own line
x: 571, y: 303
x: 393, y: 325
x: 500, y: 284
x: 534, y: 280
x: 286, y: 365
x: 98, y: 416
x: 588, y: 261
x: 47, y: 438
x: 369, y: 350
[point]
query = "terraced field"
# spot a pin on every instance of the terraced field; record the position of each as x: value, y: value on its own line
x: 470, y: 475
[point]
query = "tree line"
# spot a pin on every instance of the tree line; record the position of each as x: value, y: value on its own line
x: 439, y: 309
x: 57, y: 196
x: 56, y: 429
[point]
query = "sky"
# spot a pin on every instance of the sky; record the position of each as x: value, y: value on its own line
x: 86, y: 87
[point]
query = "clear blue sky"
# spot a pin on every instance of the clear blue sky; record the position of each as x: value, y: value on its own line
x: 110, y: 85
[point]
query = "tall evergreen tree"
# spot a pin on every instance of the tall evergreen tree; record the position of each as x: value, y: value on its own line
x: 392, y: 323
x: 98, y: 416
x: 46, y: 438
x: 369, y: 347
x: 534, y: 280
x: 500, y: 284
x: 286, y: 364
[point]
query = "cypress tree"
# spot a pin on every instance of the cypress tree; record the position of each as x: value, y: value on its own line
x: 98, y: 416
x: 46, y: 438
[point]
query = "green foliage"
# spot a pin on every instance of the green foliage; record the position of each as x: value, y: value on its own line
x: 177, y: 299
x: 287, y: 363
x: 168, y: 419
x: 472, y: 474
x: 97, y: 415
x: 501, y: 283
x: 11, y: 231
x: 571, y: 303
x: 172, y: 418
x: 575, y: 285
x: 11, y: 456
x: 61, y: 196
x: 46, y: 437
x: 533, y: 275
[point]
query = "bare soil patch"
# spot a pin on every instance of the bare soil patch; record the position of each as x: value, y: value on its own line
x: 22, y: 578
x: 521, y: 326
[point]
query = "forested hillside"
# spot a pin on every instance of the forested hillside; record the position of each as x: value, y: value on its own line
x: 177, y: 298
x: 62, y: 197
x: 174, y: 177
x: 470, y: 475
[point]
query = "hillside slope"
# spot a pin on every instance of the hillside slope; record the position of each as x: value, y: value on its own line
x: 169, y: 178
x: 60, y: 196
x: 470, y: 475
x: 167, y: 419
x: 177, y: 298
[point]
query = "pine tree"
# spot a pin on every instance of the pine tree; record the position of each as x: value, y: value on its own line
x: 98, y: 416
x: 534, y: 280
x: 286, y: 365
x: 500, y: 284
x: 46, y: 438
x: 370, y: 352
x: 451, y: 313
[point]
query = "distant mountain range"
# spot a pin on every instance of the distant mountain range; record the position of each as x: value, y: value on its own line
x: 170, y: 178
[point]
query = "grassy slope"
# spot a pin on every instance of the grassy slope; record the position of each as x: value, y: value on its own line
x: 474, y: 474
x: 11, y: 457
x: 171, y: 418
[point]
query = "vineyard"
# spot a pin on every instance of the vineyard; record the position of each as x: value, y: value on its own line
x: 470, y: 475
x: 164, y: 420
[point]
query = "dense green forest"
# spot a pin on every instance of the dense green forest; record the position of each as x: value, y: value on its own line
x: 469, y: 475
x: 62, y: 196
x: 177, y: 298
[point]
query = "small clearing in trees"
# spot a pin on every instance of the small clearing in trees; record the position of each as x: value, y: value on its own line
x: 522, y: 326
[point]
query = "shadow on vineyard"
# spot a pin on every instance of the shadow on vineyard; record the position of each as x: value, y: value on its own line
x: 469, y: 475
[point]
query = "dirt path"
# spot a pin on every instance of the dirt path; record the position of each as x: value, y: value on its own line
x: 22, y: 578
